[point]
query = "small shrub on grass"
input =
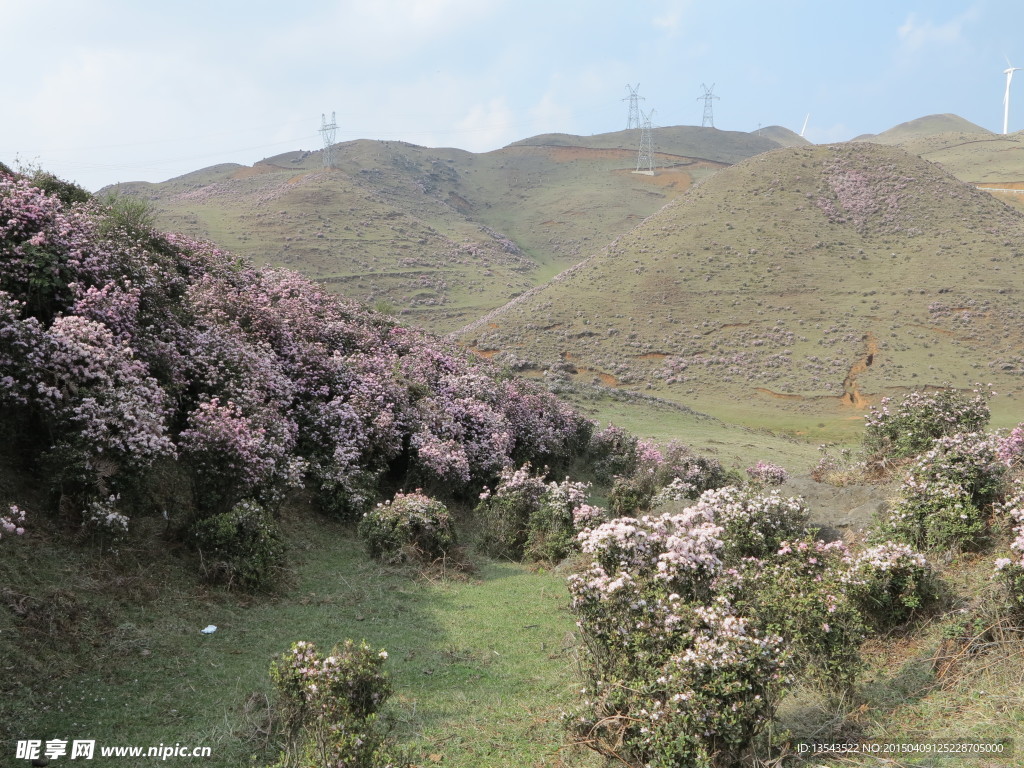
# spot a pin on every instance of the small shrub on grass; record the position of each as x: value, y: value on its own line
x: 13, y: 521
x: 912, y: 425
x: 241, y: 547
x: 410, y: 527
x: 505, y: 513
x: 764, y: 473
x: 328, y: 707
x: 889, y: 583
x: 837, y: 466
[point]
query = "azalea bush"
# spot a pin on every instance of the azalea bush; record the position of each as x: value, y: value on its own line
x: 889, y: 583
x: 1009, y: 571
x: 528, y: 517
x: 674, y: 675
x: 675, y: 465
x: 798, y: 593
x: 764, y: 473
x: 754, y: 524
x: 409, y: 527
x: 328, y: 707
x: 909, y: 427
x: 13, y: 521
x: 946, y: 494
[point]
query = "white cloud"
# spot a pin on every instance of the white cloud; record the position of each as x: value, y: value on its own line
x: 916, y: 34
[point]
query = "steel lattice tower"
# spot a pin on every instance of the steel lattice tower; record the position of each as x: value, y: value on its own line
x: 709, y: 119
x: 328, y: 131
x: 633, y: 121
x: 645, y: 158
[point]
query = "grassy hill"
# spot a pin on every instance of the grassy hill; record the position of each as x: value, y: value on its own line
x: 789, y: 291
x: 440, y: 235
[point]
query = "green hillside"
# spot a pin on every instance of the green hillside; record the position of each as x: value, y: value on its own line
x: 790, y: 291
x: 440, y: 235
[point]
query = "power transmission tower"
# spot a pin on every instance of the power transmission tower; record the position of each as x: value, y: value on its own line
x: 633, y: 121
x: 645, y: 158
x: 328, y: 131
x: 709, y: 118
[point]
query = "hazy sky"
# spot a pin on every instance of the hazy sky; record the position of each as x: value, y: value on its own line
x: 101, y: 91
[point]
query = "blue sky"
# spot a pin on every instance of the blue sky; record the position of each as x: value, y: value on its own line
x: 101, y: 91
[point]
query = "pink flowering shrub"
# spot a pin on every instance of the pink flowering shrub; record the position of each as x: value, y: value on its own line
x: 13, y: 521
x: 528, y: 517
x: 1010, y: 448
x: 235, y: 455
x: 912, y: 425
x: 798, y: 593
x: 612, y: 452
x: 561, y: 514
x: 946, y: 494
x: 328, y: 705
x: 409, y: 527
x: 675, y: 675
x: 657, y: 468
x: 754, y: 524
x: 889, y: 583
x: 765, y: 473
x: 505, y: 514
x: 1009, y: 571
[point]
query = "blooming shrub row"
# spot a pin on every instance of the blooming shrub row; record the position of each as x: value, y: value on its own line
x: 121, y: 348
x: 693, y: 621
x: 1009, y: 571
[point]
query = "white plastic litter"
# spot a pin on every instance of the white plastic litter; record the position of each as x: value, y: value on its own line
x: 209, y: 630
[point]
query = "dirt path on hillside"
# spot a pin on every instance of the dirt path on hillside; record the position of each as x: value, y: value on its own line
x: 841, y: 511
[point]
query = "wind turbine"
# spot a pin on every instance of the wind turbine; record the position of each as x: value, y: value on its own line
x: 1006, y: 97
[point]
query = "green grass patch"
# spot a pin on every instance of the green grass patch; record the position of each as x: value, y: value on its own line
x: 111, y: 650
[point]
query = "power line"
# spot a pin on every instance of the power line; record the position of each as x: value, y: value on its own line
x: 645, y: 158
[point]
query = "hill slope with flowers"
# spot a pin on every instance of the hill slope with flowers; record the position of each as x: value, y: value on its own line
x: 158, y: 373
x: 807, y: 281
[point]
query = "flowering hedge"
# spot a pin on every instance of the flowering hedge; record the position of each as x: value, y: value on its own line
x: 120, y: 347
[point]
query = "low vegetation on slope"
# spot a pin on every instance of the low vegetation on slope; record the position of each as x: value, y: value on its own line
x: 806, y: 281
x: 168, y: 406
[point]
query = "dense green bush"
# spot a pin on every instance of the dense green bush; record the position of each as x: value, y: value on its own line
x: 241, y: 547
x: 889, y: 583
x: 327, y: 707
x: 411, y: 527
x: 912, y: 425
x: 946, y: 495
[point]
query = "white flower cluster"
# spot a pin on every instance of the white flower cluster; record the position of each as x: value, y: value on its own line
x: 104, y: 516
